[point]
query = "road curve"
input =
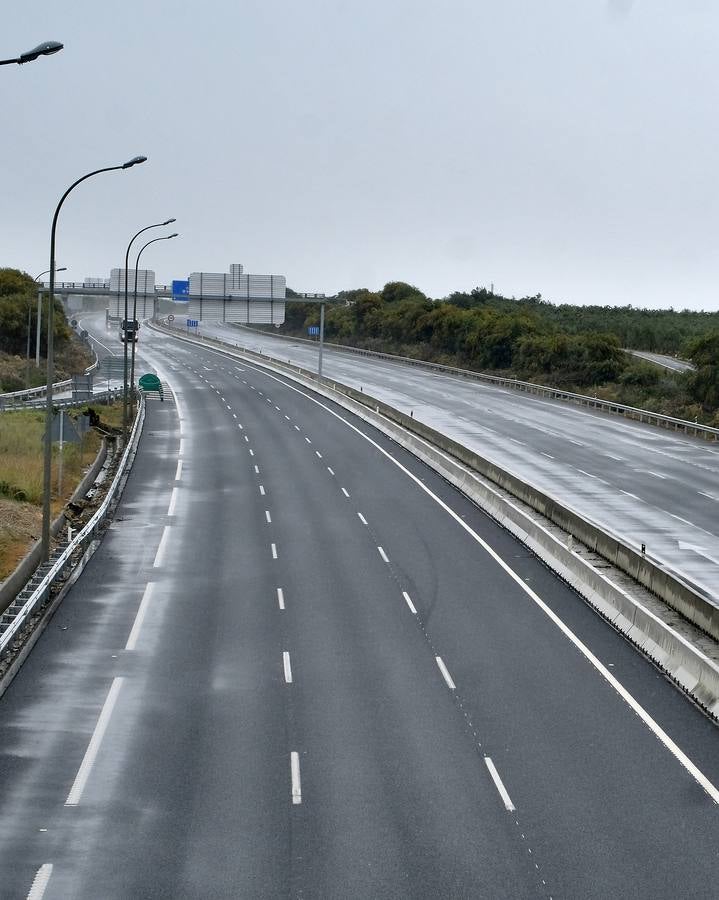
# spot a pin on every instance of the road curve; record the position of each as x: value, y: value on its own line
x: 300, y: 664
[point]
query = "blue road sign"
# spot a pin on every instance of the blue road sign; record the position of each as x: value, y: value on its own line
x: 180, y: 290
x: 313, y: 330
x: 193, y: 323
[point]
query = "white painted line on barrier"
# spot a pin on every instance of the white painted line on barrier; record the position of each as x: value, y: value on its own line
x: 508, y: 805
x: 40, y: 881
x: 296, y: 783
x: 161, y: 547
x: 362, y: 518
x: 268, y: 517
x: 409, y: 603
x: 287, y: 666
x: 383, y: 554
x: 140, y: 617
x: 178, y: 470
x: 281, y: 598
x: 274, y: 551
x: 445, y: 673
x: 173, y: 501
x: 73, y: 798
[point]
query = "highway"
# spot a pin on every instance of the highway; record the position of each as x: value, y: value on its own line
x: 648, y: 485
x: 301, y: 665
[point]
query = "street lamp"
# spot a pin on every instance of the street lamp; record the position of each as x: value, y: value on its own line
x: 47, y: 48
x: 166, y: 237
x: 47, y: 466
x: 127, y: 262
x: 39, y: 317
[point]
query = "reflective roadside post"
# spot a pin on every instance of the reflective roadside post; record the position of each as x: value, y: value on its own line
x: 47, y: 460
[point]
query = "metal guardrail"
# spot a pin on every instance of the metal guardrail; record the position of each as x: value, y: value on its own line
x: 13, y: 619
x: 41, y: 389
x: 606, y: 406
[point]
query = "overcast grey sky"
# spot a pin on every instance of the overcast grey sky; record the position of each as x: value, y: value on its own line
x: 567, y: 147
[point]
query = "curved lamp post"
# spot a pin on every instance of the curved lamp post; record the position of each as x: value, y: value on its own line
x: 47, y: 466
x: 127, y: 262
x: 166, y: 237
x: 39, y: 317
x: 47, y: 48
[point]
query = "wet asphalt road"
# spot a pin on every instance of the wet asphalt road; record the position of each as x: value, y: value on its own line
x: 296, y: 667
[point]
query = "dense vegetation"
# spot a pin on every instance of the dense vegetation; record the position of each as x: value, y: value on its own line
x: 18, y: 307
x: 572, y: 347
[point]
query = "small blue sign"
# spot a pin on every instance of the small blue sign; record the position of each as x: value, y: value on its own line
x: 313, y: 330
x: 192, y: 323
x: 180, y: 290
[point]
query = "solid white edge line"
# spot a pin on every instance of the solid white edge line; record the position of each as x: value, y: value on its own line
x: 140, y: 617
x: 445, y: 673
x: 161, y: 547
x: 601, y: 669
x: 182, y: 447
x: 296, y: 783
x: 40, y: 881
x: 281, y: 598
x: 287, y: 666
x: 506, y: 799
x: 274, y: 551
x: 73, y: 798
x: 173, y: 501
x: 383, y: 554
x: 178, y: 471
x: 409, y: 603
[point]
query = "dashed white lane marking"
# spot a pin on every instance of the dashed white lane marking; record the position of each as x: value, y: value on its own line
x: 344, y: 492
x: 657, y: 475
x: 383, y: 554
x: 287, y: 666
x: 296, y: 427
x: 178, y: 470
x: 362, y: 518
x: 308, y: 440
x: 613, y: 456
x: 247, y: 439
x: 549, y: 456
x: 576, y: 443
x: 239, y: 426
x: 704, y: 494
x: 508, y: 805
x: 239, y: 369
x: 73, y: 798
x: 161, y: 547
x: 521, y: 443
x: 330, y: 470
x: 140, y: 617
x: 278, y: 409
x: 318, y: 454
x: 274, y: 551
x: 296, y: 783
x: 281, y: 598
x: 262, y: 490
x: 288, y: 418
x: 588, y: 474
x: 268, y: 517
x: 445, y: 673
x: 40, y: 881
x: 409, y: 603
x: 252, y: 452
x: 173, y: 501
x: 257, y: 470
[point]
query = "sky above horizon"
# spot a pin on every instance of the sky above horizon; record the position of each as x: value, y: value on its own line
x: 561, y: 148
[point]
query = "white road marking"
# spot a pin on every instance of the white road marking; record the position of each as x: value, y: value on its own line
x: 173, y: 500
x: 239, y: 369
x: 576, y: 443
x: 274, y: 551
x: 247, y: 439
x: 288, y: 418
x: 704, y: 494
x: 268, y: 517
x: 593, y: 661
x: 383, y: 554
x: 308, y: 440
x: 330, y: 470
x: 161, y: 547
x: 445, y: 673
x: 588, y: 474
x: 296, y: 783
x: 546, y: 454
x: 234, y: 415
x: 409, y: 603
x: 362, y: 518
x: 229, y: 407
x: 178, y: 470
x: 679, y: 519
x: 657, y: 475
x: 73, y: 798
x: 318, y: 454
x: 182, y: 447
x: 281, y: 598
x: 262, y: 490
x: 257, y: 470
x: 239, y: 426
x: 287, y: 666
x: 508, y: 805
x: 140, y: 617
x: 521, y: 443
x: 252, y: 452
x: 42, y: 876
x: 278, y: 409
x: 612, y: 456
x: 297, y: 427
x: 344, y: 492
x: 633, y: 496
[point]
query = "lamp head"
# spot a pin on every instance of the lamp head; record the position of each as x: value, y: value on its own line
x: 169, y: 222
x: 45, y: 49
x: 135, y: 161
